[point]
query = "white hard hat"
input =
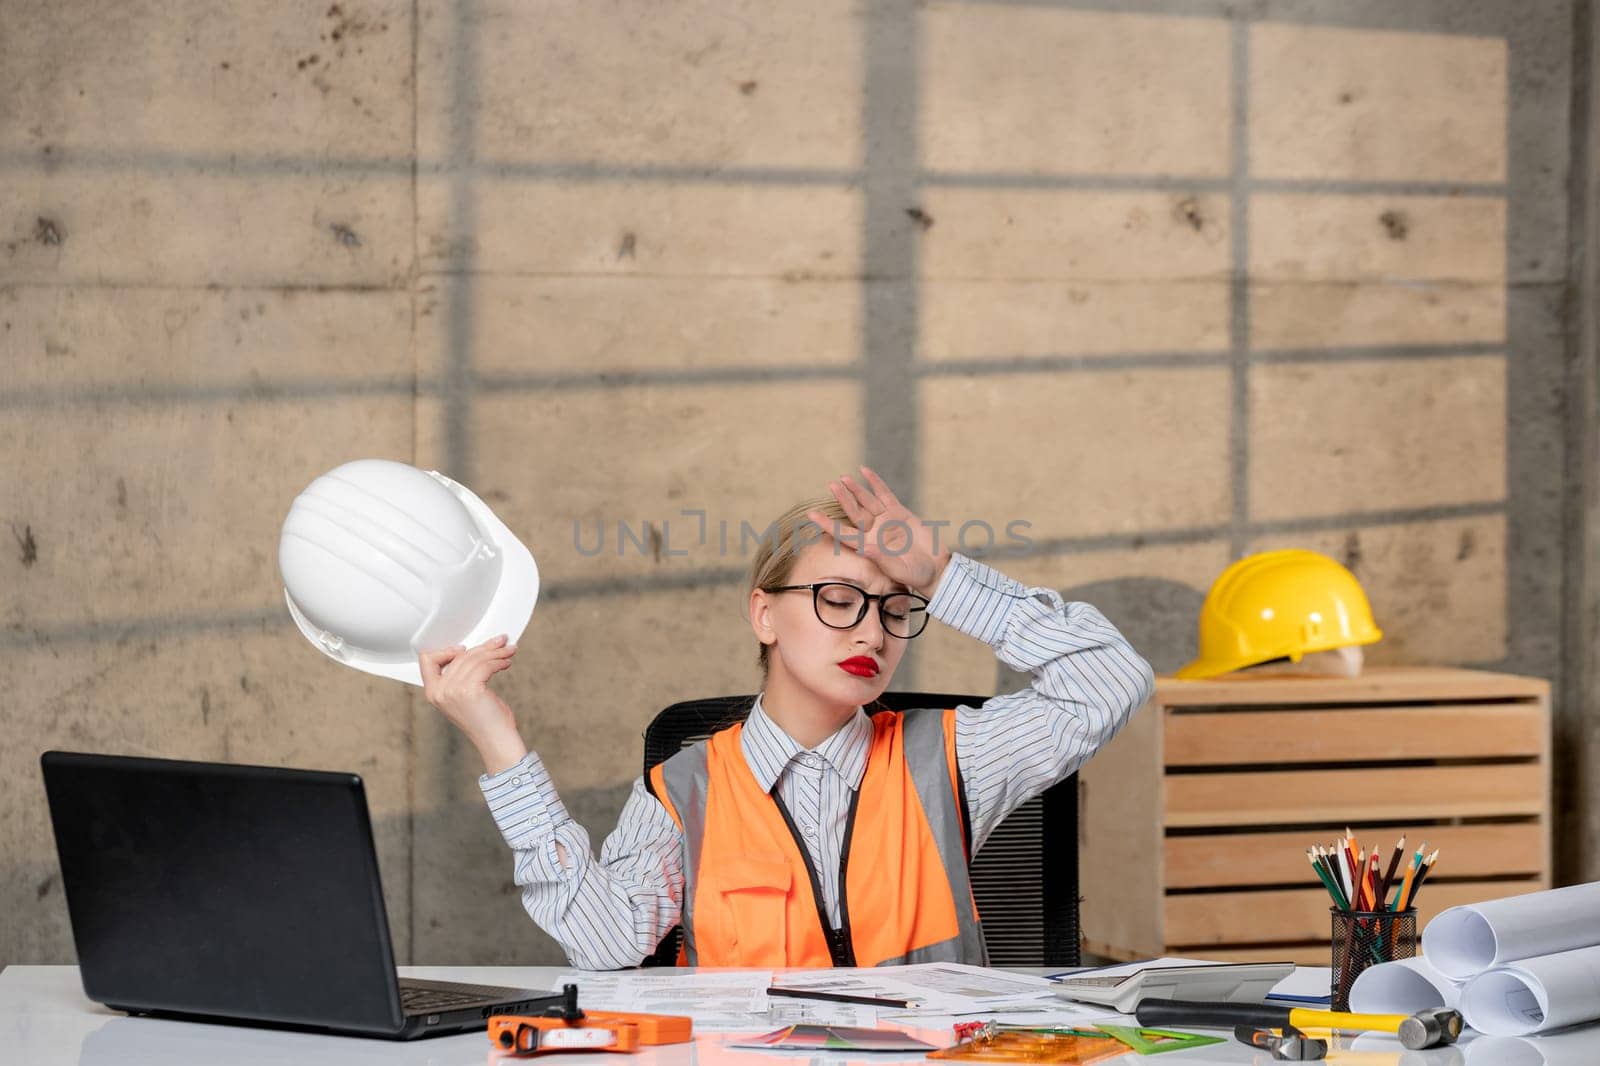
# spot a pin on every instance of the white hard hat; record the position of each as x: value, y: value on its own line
x: 381, y: 560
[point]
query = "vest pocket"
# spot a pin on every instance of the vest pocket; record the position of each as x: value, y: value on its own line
x: 754, y: 897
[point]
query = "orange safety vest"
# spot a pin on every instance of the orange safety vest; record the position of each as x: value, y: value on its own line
x: 751, y: 897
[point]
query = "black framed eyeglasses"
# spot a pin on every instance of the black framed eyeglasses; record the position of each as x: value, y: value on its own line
x: 842, y: 606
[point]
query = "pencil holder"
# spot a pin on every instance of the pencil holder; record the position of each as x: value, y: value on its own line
x: 1366, y: 938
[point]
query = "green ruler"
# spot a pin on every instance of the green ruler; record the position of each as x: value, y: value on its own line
x: 1155, y: 1041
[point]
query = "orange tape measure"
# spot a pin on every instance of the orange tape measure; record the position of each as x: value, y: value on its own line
x: 569, y: 1029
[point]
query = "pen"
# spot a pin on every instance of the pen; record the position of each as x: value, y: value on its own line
x: 841, y: 997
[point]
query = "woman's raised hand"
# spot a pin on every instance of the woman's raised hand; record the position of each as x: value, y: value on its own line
x: 456, y: 681
x: 884, y: 530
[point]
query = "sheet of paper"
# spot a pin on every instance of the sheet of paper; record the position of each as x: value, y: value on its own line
x: 1535, y: 994
x: 1402, y: 987
x: 974, y: 983
x: 1467, y: 940
x: 991, y: 1008
x: 943, y: 988
x: 782, y: 1012
x: 669, y: 992
x: 725, y: 1002
x: 1050, y: 1011
x: 1120, y: 968
x: 1307, y: 983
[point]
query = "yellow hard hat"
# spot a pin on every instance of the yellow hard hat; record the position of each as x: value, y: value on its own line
x: 1280, y: 605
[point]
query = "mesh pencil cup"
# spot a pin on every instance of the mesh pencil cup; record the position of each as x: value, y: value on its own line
x: 1366, y: 938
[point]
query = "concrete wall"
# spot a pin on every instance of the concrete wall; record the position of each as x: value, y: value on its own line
x: 1170, y: 281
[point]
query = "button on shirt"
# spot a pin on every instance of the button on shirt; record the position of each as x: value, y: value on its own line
x: 612, y: 911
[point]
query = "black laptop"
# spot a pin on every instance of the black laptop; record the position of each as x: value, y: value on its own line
x: 240, y: 893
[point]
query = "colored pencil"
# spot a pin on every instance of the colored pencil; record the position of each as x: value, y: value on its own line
x: 1417, y: 859
x: 1422, y: 875
x: 1322, y: 875
x: 1403, y: 896
x: 1394, y: 864
x: 1333, y: 874
x: 1327, y: 866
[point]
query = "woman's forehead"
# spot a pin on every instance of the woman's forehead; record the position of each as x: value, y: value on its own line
x: 828, y: 560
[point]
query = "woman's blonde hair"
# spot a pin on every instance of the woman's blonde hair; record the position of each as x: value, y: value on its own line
x: 780, y: 545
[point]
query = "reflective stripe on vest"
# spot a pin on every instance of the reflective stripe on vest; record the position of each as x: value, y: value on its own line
x: 748, y: 899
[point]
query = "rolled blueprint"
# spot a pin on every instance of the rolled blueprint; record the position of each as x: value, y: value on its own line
x: 1402, y: 987
x: 1534, y: 994
x: 1463, y: 941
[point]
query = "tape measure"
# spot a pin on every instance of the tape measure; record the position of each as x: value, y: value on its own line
x: 567, y: 1028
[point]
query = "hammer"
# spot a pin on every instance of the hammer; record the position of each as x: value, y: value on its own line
x: 1433, y: 1027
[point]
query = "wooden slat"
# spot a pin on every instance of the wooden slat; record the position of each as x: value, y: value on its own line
x: 1315, y: 953
x: 1336, y: 797
x: 1279, y: 858
x: 1299, y: 914
x: 1308, y: 953
x: 1430, y: 731
x: 1117, y: 952
x: 1376, y: 684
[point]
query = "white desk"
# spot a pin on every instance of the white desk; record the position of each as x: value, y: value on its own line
x: 46, y: 1021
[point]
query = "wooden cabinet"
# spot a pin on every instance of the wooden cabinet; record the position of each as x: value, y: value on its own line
x: 1195, y: 819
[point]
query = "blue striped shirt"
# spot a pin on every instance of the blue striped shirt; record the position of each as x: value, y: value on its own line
x: 613, y: 911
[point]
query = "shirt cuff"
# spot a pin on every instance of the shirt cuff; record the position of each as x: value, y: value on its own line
x: 975, y: 599
x: 523, y: 801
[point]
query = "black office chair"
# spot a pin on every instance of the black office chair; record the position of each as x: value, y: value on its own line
x: 1025, y: 879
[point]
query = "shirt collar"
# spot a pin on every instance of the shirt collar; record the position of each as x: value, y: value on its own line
x: 769, y: 750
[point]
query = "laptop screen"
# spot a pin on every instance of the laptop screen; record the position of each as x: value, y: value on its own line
x: 238, y: 891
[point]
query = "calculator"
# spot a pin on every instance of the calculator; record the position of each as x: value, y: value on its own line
x: 1231, y: 982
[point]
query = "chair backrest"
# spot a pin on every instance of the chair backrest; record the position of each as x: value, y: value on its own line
x: 1025, y: 879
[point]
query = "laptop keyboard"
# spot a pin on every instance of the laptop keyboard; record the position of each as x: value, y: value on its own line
x: 431, y: 997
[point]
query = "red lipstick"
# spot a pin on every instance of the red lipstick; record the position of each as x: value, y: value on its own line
x: 860, y: 665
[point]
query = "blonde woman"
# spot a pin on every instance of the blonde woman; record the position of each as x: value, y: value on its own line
x: 814, y: 833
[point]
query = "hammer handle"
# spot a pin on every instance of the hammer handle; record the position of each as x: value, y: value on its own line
x: 1156, y: 1013
x: 1159, y: 1012
x: 1306, y: 1018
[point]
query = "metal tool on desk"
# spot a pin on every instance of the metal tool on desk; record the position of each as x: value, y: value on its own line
x: 567, y: 1028
x: 1424, y: 1029
x: 1287, y: 1045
